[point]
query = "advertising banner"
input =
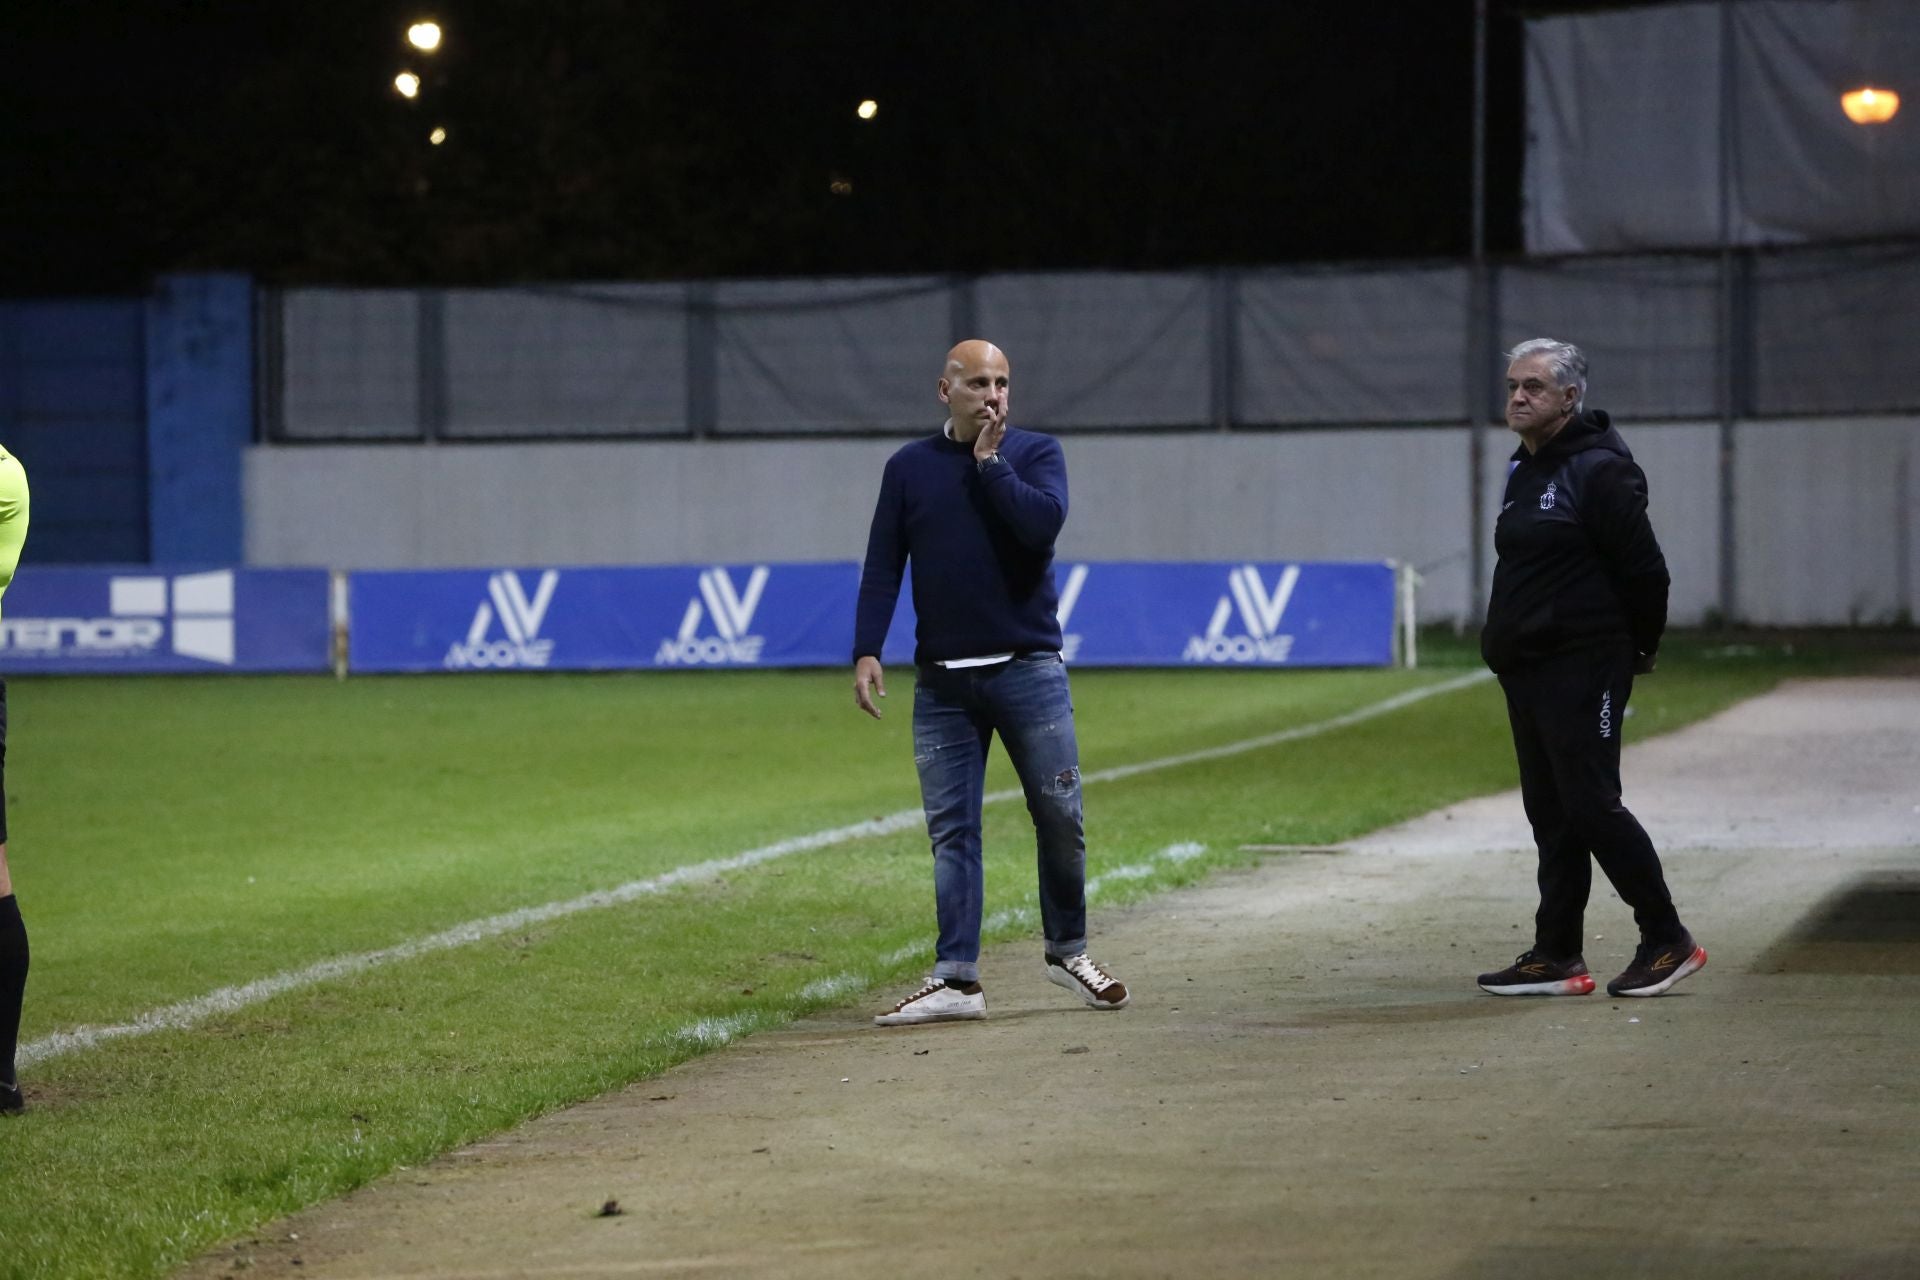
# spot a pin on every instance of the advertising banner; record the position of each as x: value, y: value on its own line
x: 753, y: 615
x: 1273, y: 614
x: 155, y: 620
x: 1223, y: 615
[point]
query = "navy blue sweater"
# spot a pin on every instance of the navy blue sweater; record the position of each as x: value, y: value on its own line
x: 981, y: 546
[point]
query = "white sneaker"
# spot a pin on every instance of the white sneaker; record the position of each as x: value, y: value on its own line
x: 1080, y: 975
x: 938, y: 1001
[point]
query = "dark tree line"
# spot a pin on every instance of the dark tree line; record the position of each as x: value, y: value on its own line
x: 628, y: 139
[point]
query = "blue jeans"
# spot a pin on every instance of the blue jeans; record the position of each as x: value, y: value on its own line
x: 955, y: 715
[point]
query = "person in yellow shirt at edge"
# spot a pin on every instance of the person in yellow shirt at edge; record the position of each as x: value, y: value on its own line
x: 13, y: 933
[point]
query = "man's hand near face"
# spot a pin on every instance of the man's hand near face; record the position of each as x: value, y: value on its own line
x: 987, y: 443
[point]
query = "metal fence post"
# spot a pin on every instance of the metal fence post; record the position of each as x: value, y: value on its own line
x: 1729, y: 569
x: 1223, y: 347
x: 1480, y: 337
x: 703, y: 362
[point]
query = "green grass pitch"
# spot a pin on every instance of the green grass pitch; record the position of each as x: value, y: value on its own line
x: 171, y: 837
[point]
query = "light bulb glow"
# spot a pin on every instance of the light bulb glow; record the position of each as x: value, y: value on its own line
x: 438, y: 136
x: 868, y: 109
x: 424, y: 36
x: 407, y: 84
x: 1868, y: 105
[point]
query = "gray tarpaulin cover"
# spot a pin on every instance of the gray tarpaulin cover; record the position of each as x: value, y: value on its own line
x: 588, y: 360
x: 1625, y: 115
x: 351, y: 364
x: 1648, y: 324
x: 1352, y: 346
x: 831, y: 355
x: 1102, y: 350
x: 1825, y: 329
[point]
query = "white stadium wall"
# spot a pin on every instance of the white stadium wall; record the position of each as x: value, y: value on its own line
x: 1825, y: 528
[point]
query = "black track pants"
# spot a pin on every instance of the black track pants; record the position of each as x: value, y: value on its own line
x: 1567, y: 713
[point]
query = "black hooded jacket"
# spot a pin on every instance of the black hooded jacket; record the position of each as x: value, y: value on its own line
x: 1578, y: 563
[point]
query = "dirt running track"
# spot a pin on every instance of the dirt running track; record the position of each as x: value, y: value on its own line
x: 1308, y: 1083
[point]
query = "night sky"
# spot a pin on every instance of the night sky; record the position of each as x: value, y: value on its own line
x: 599, y: 139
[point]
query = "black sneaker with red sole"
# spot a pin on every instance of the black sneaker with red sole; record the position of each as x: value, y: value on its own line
x: 1657, y: 966
x: 1533, y: 974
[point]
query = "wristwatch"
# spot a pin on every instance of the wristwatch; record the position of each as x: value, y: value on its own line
x: 988, y: 463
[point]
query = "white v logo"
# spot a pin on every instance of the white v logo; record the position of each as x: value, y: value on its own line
x: 520, y: 618
x: 732, y: 613
x: 1260, y: 611
x: 1070, y: 594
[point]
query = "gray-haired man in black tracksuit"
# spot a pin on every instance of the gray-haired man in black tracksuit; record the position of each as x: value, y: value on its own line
x: 1578, y: 608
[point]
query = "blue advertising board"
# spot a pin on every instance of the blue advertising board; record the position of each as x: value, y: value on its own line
x: 1158, y: 614
x: 148, y: 620
x: 565, y: 619
x: 1207, y: 614
x: 1221, y: 614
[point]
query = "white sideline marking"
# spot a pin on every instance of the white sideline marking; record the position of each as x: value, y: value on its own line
x: 188, y: 1013
x: 1366, y: 713
x: 1138, y: 871
x: 1005, y: 918
x: 840, y: 984
x: 907, y: 952
x: 709, y: 1032
x: 1185, y: 851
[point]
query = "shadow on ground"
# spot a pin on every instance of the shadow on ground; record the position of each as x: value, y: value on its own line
x: 1869, y: 926
x: 1732, y: 1263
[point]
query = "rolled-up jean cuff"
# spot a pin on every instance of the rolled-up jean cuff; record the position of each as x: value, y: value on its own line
x: 956, y: 971
x: 1062, y: 950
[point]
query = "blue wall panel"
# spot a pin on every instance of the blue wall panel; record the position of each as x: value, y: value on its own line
x: 199, y: 414
x: 73, y: 409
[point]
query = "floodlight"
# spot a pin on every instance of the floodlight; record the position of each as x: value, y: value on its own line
x: 1870, y: 106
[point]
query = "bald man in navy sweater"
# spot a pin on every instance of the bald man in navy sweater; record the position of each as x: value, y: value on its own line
x: 975, y: 510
